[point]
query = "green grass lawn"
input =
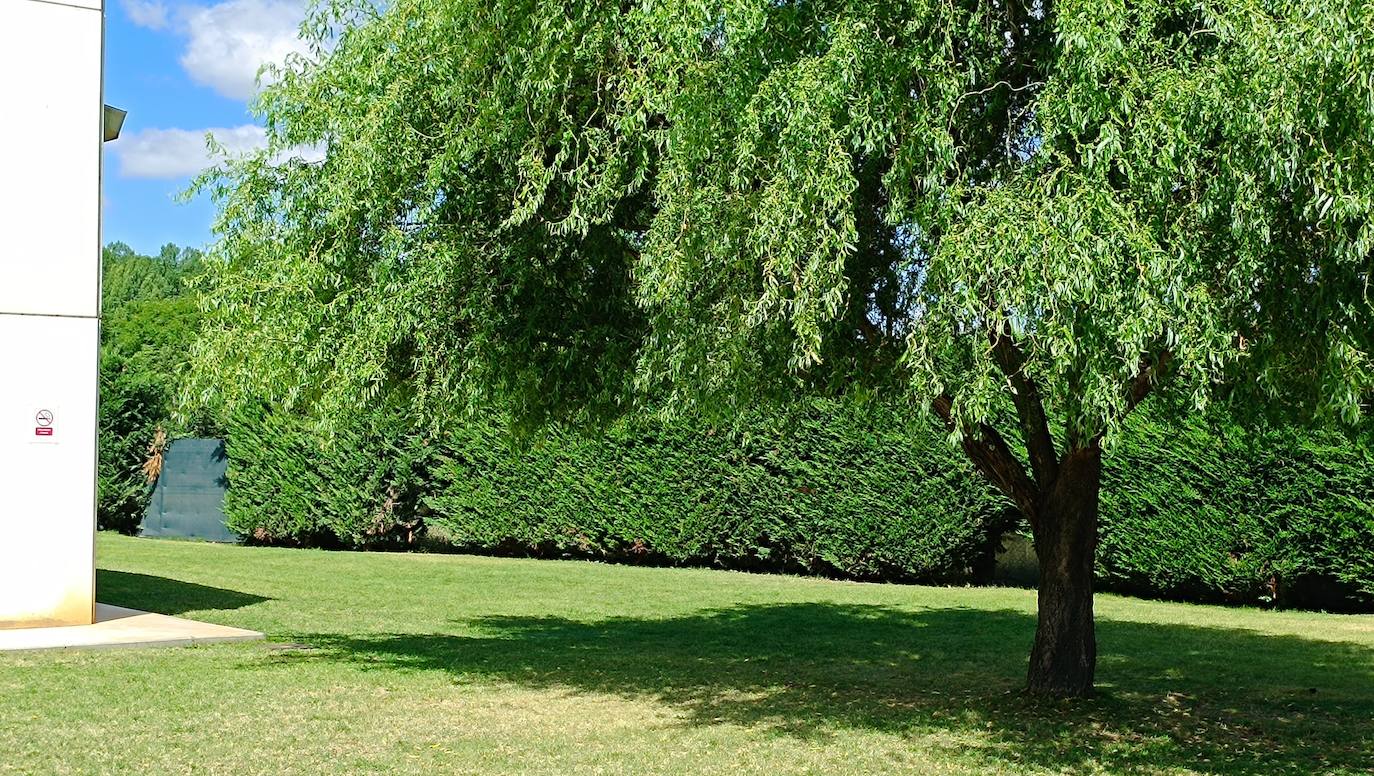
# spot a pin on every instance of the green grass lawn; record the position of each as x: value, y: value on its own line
x: 453, y: 664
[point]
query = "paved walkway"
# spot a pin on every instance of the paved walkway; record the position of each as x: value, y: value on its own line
x: 116, y: 626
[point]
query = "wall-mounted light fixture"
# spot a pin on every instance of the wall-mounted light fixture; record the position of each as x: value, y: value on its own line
x: 114, y: 121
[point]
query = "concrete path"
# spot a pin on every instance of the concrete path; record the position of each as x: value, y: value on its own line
x: 116, y: 626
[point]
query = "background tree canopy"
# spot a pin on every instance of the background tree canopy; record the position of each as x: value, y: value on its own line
x: 149, y: 321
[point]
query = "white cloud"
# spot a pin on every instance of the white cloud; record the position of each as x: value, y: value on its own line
x: 181, y: 153
x: 147, y: 13
x: 227, y: 43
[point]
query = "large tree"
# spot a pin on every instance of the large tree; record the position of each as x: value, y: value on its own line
x: 1025, y: 216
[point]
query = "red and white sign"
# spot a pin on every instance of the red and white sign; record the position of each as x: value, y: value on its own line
x: 43, y: 419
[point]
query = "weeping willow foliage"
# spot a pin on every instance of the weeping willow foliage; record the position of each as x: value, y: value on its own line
x: 582, y: 206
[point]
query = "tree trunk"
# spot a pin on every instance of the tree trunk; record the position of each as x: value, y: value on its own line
x: 1065, y: 653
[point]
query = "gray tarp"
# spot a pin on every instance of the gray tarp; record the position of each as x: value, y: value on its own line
x: 189, y: 498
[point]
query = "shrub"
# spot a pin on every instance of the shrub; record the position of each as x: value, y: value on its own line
x: 1316, y: 498
x: 131, y: 408
x: 1202, y: 510
x: 290, y: 485
x: 1209, y: 511
x: 828, y: 489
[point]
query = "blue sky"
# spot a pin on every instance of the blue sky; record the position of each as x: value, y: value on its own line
x: 181, y: 69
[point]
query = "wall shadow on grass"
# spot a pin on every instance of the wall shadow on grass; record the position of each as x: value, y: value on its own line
x: 165, y: 595
x: 1218, y: 700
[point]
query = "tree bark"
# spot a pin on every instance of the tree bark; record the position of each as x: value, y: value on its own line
x: 1064, y: 657
x: 1060, y: 500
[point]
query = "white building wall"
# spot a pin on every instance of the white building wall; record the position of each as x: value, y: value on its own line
x: 50, y: 145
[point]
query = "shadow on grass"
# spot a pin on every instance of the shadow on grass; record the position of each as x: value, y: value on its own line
x: 1170, y: 696
x: 165, y: 596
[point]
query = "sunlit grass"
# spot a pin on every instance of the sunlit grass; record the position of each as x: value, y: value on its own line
x: 454, y: 664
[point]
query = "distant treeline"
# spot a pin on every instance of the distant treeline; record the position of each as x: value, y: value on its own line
x: 149, y: 321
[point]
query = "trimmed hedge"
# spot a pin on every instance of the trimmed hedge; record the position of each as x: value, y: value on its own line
x: 1176, y: 521
x: 289, y: 485
x: 827, y: 490
x: 1216, y: 513
x: 1193, y: 510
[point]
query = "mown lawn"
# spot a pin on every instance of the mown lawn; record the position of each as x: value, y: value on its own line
x: 452, y: 664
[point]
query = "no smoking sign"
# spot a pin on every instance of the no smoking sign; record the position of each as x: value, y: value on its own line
x: 43, y: 420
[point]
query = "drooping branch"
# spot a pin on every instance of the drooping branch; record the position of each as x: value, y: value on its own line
x: 1152, y: 369
x: 1030, y: 408
x: 1151, y: 372
x: 993, y: 458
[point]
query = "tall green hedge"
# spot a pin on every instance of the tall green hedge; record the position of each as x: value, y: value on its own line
x: 1198, y: 510
x: 1208, y: 511
x: 132, y: 407
x: 826, y: 490
x: 289, y: 485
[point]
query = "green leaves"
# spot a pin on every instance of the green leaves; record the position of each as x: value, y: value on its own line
x: 574, y: 208
x: 830, y: 489
x: 149, y: 320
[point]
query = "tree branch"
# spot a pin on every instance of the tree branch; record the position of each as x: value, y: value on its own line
x: 1030, y: 409
x: 990, y: 454
x: 1151, y: 372
x: 1145, y: 380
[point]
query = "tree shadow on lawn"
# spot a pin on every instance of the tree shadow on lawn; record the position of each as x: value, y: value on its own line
x: 164, y: 595
x: 1211, y: 699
